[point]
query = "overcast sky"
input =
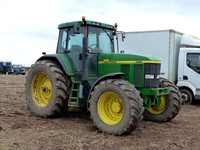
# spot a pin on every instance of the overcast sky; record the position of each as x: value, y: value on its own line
x: 29, y: 27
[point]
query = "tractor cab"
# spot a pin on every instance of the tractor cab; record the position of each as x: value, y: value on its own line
x: 98, y: 39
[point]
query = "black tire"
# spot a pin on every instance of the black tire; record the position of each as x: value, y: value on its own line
x: 172, y: 104
x: 131, y: 104
x: 187, y: 97
x: 60, y: 87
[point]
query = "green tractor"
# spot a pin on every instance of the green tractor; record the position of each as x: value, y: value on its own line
x: 118, y: 89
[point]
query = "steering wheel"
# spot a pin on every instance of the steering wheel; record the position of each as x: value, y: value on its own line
x: 90, y: 46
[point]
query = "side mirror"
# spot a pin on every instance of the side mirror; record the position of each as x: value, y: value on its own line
x: 114, y: 33
x: 77, y: 28
x: 123, y: 36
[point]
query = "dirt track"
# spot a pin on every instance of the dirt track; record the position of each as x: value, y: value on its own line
x: 19, y: 129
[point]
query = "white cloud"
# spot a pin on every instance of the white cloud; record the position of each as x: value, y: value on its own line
x: 29, y: 27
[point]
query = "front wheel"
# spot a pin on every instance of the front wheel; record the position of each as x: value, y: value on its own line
x: 116, y: 106
x: 169, y: 106
x: 186, y: 96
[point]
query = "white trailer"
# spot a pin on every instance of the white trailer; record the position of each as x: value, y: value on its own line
x: 179, y: 54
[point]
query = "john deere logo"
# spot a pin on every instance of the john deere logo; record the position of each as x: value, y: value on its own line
x: 106, y: 60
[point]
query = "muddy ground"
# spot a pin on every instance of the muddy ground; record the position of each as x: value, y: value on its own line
x: 20, y: 129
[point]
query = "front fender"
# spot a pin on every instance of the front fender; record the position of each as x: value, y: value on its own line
x: 107, y: 76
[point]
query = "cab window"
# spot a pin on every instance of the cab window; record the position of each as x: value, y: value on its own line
x: 193, y: 61
x: 62, y: 42
x: 75, y: 41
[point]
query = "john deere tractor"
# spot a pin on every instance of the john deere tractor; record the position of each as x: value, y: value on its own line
x: 118, y: 89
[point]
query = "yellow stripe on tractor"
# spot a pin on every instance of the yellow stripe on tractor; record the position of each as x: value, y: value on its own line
x: 124, y: 62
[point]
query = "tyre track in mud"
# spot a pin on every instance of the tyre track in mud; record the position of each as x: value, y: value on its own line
x: 20, y: 129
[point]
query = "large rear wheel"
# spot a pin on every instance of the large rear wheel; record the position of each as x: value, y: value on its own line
x: 116, y: 106
x: 169, y: 106
x: 47, y: 89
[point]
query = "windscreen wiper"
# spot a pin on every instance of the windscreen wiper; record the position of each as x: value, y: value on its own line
x: 111, y: 39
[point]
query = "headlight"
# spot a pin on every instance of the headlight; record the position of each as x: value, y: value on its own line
x: 152, y: 76
x: 157, y: 76
x: 149, y: 76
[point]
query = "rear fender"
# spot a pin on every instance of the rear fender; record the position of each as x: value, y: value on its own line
x: 62, y: 59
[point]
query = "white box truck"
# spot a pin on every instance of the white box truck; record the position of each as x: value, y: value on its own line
x: 179, y: 54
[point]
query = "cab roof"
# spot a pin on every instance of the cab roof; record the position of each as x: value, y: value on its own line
x: 93, y: 23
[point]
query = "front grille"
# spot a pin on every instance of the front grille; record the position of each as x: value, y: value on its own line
x: 138, y: 74
x: 152, y: 69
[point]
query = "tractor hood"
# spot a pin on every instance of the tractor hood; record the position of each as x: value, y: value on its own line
x: 126, y: 58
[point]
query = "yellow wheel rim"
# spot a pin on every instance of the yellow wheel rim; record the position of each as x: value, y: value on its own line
x: 159, y: 109
x: 110, y: 108
x: 41, y: 89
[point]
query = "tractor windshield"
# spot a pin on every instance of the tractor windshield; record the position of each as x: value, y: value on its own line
x: 100, y: 40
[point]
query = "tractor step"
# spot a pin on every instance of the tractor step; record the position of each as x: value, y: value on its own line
x: 72, y: 104
x: 75, y: 90
x: 73, y: 98
x: 74, y: 94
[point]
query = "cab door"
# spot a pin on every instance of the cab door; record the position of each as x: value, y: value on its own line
x: 191, y: 72
x: 99, y: 41
x: 71, y: 44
